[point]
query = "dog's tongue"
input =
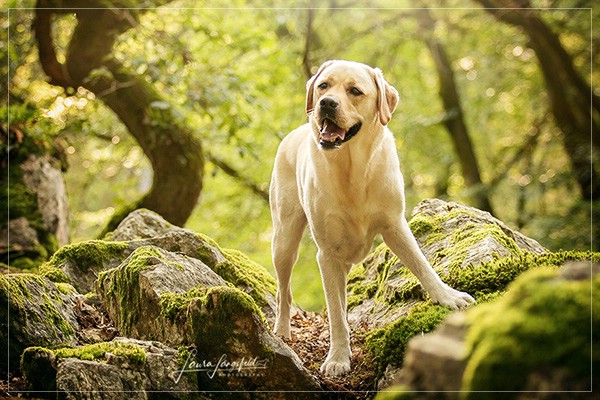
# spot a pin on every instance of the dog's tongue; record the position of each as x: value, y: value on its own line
x: 330, y: 131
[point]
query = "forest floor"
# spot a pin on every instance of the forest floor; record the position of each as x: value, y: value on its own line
x: 310, y: 340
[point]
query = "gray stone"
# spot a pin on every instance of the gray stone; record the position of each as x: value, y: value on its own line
x: 141, y: 224
x: 46, y: 182
x: 145, y: 228
x: 34, y: 312
x: 111, y: 376
x: 451, y: 236
x: 22, y: 236
x: 434, y: 362
x: 158, y: 295
x: 132, y: 292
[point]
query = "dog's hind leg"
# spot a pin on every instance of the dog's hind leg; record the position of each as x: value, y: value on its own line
x: 287, y: 232
x: 403, y: 243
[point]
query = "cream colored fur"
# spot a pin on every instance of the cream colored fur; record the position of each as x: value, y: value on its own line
x: 346, y: 196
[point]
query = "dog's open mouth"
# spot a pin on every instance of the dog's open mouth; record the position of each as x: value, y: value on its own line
x: 332, y: 136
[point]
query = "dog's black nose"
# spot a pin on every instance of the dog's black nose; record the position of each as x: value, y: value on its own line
x: 329, y: 102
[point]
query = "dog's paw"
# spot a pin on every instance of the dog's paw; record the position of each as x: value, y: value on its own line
x: 283, y: 332
x: 335, y: 368
x: 452, y: 298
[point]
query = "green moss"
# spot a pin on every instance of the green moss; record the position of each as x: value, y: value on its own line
x: 123, y: 283
x: 174, y: 305
x: 227, y: 321
x: 54, y: 274
x: 397, y: 392
x: 206, y: 251
x: 387, y: 345
x: 357, y: 273
x: 53, y: 319
x: 493, y: 276
x: 65, y: 288
x: 466, y: 238
x: 22, y: 201
x: 14, y: 287
x: 246, y: 274
x: 98, y: 352
x: 183, y: 355
x: 421, y: 225
x: 91, y: 254
x: 545, y: 325
x: 21, y: 289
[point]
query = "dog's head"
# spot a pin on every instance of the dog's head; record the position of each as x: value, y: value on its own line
x: 345, y: 98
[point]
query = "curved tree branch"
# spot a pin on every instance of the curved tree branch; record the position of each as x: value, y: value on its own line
x: 42, y: 27
x: 174, y: 151
x: 232, y: 172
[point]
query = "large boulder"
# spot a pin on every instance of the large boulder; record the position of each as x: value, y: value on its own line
x: 472, y: 252
x: 34, y: 312
x: 81, y: 263
x: 39, y: 217
x: 542, y: 347
x: 457, y: 240
x: 121, y: 369
x: 159, y: 295
x: 135, y: 293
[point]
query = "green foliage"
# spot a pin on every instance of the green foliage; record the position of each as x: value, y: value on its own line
x: 236, y: 75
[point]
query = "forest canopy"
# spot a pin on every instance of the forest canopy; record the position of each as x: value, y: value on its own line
x: 180, y: 106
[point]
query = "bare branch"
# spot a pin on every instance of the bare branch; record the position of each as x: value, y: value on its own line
x: 229, y: 170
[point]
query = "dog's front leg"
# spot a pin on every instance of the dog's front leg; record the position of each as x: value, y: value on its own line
x: 333, y: 274
x: 403, y: 243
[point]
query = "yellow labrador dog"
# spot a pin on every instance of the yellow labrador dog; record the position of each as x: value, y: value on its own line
x: 340, y: 174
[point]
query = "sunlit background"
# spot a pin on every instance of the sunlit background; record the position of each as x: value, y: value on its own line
x: 237, y: 77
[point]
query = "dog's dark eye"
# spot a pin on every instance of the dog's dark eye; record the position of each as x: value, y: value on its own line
x: 323, y: 85
x: 355, y: 91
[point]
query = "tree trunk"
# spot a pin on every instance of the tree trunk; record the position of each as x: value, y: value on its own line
x: 575, y: 108
x: 454, y: 121
x: 174, y: 152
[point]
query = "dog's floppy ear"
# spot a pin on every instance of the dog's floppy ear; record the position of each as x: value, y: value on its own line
x: 310, y: 86
x: 387, y: 98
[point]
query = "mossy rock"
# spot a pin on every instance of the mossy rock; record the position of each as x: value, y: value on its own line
x: 81, y: 263
x: 134, y: 367
x: 544, y: 340
x: 132, y: 292
x: 34, y: 311
x: 33, y: 186
x: 487, y: 281
x: 533, y: 338
x: 178, y: 300
x: 455, y: 239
